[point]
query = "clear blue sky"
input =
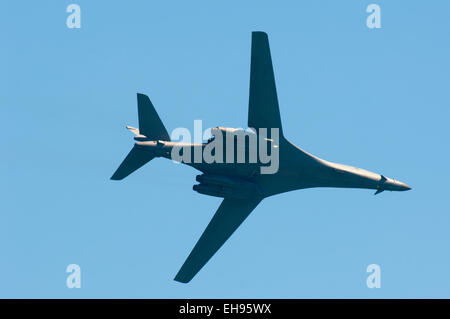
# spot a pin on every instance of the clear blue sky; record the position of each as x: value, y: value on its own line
x: 376, y: 99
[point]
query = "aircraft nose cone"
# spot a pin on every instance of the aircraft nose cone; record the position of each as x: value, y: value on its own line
x: 393, y: 185
x: 405, y: 187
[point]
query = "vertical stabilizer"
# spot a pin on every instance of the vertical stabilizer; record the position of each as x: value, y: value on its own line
x: 150, y: 124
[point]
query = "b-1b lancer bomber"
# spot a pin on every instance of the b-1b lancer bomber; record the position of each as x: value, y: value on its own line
x: 243, y: 183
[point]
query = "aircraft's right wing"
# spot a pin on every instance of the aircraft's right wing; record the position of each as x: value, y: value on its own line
x: 263, y: 110
x: 230, y: 214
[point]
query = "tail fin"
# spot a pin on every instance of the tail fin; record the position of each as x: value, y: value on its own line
x: 150, y: 127
x: 134, y: 160
x: 150, y: 124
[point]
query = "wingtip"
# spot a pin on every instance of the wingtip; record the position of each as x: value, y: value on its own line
x: 116, y: 177
x: 259, y: 33
x: 178, y: 278
x: 141, y: 96
x: 184, y: 276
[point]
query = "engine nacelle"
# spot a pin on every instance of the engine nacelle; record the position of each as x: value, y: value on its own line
x: 232, y: 182
x: 224, y: 186
x: 217, y: 191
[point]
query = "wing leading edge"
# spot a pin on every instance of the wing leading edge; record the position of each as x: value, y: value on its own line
x: 263, y: 109
x: 229, y: 216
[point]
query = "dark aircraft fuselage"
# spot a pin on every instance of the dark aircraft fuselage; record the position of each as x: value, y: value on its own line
x: 297, y: 170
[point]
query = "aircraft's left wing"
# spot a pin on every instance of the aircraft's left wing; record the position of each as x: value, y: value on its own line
x: 230, y: 214
x: 263, y: 109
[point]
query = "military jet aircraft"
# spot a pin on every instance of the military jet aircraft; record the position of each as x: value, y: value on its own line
x: 242, y: 185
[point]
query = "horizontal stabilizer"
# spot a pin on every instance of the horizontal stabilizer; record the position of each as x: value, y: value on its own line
x: 134, y: 130
x: 134, y: 160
